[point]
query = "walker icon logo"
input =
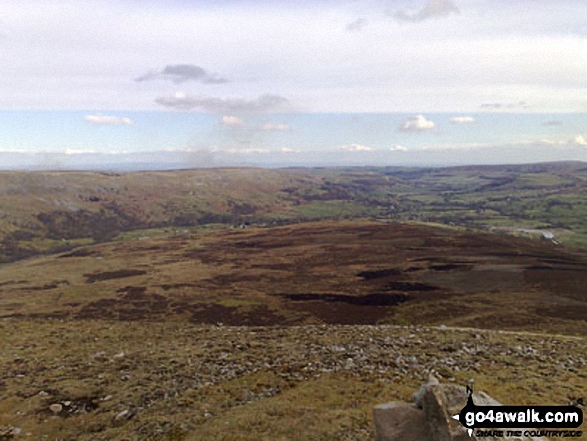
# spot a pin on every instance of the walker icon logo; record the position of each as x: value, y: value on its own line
x: 519, y: 417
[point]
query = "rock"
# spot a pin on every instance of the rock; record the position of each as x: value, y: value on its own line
x: 434, y: 404
x: 122, y: 415
x: 399, y: 422
x: 429, y: 419
x: 56, y: 408
x: 417, y: 397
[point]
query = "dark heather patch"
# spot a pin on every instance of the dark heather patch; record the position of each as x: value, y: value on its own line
x: 379, y: 274
x: 379, y: 299
x: 109, y: 275
x: 408, y: 286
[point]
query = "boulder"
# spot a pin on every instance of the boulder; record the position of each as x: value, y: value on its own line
x: 398, y: 421
x: 429, y: 418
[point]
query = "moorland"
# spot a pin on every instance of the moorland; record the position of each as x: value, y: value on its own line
x: 253, y: 304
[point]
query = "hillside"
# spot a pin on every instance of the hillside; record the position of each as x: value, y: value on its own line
x: 312, y: 273
x: 44, y: 212
x: 180, y: 382
x: 262, y: 305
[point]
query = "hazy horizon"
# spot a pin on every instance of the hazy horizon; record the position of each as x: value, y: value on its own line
x: 259, y: 83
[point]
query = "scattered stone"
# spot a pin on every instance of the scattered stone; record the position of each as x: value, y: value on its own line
x: 56, y: 408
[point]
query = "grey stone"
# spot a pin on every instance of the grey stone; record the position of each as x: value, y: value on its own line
x: 398, y: 421
x: 56, y: 408
x: 417, y: 397
x: 430, y: 418
x: 122, y: 415
x: 435, y: 405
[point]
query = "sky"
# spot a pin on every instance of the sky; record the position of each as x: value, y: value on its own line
x: 128, y: 83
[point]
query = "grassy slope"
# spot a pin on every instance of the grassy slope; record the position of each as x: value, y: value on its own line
x: 185, y: 382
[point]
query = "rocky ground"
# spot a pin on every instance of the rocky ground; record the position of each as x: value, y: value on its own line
x: 98, y: 380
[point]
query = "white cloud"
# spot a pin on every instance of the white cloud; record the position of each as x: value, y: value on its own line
x: 269, y: 126
x: 289, y: 150
x: 356, y: 148
x: 579, y: 140
x: 233, y: 121
x: 417, y: 124
x: 549, y: 142
x: 247, y: 151
x: 264, y: 103
x: 462, y: 120
x: 432, y: 9
x: 399, y: 148
x: 108, y: 120
x: 79, y: 152
x: 505, y: 106
x: 539, y: 46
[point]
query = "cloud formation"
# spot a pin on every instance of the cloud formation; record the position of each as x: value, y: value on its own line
x: 577, y: 141
x: 399, y: 148
x: 270, y: 127
x: 233, y: 121
x: 79, y: 152
x: 357, y: 25
x: 246, y: 151
x: 107, y: 120
x: 580, y: 141
x: 551, y: 123
x: 432, y: 9
x: 356, y: 148
x: 497, y: 106
x: 264, y: 103
x: 462, y: 120
x: 416, y: 123
x: 180, y: 73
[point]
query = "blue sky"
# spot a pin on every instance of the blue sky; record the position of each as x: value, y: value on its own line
x: 266, y: 82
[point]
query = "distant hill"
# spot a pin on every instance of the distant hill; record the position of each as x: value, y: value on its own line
x: 44, y: 212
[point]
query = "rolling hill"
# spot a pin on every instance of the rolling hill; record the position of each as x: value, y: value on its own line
x: 349, y: 272
x: 44, y: 212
